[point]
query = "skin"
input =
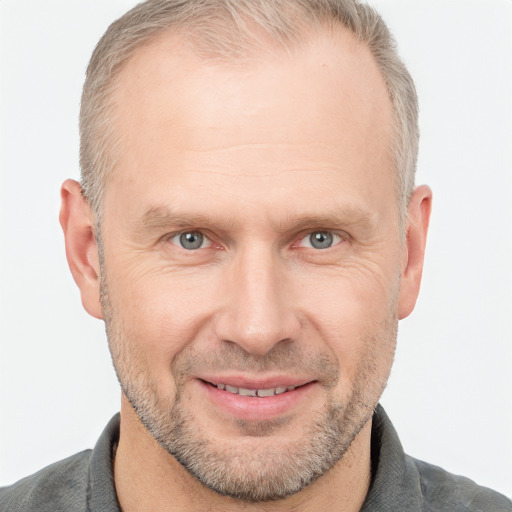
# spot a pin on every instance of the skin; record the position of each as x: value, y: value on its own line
x: 257, y: 157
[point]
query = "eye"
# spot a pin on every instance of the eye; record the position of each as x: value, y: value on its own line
x: 191, y: 240
x: 320, y: 240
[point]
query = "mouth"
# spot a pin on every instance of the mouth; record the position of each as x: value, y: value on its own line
x: 256, y: 401
x: 261, y: 393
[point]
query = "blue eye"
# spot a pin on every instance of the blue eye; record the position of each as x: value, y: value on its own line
x: 190, y: 240
x: 320, y: 240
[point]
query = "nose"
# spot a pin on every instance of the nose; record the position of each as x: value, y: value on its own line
x: 257, y: 305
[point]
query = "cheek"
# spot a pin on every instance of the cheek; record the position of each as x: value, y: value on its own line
x: 350, y: 298
x: 156, y: 314
x: 354, y: 314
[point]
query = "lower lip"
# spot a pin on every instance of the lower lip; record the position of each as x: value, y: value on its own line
x: 253, y: 408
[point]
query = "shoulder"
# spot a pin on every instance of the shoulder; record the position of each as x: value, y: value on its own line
x: 60, y: 486
x: 442, y: 490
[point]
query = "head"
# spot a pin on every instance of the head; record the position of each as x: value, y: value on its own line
x: 249, y: 227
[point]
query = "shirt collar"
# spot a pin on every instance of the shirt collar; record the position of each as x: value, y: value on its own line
x: 396, y: 481
x: 101, y: 490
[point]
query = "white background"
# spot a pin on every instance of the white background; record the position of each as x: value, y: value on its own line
x: 450, y: 394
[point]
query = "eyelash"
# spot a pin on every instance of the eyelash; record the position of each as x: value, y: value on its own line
x: 337, y: 239
x: 173, y: 236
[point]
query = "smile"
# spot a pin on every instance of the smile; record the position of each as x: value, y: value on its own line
x: 251, y: 400
x: 255, y: 392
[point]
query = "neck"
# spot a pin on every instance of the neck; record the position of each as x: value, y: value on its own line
x: 147, y: 478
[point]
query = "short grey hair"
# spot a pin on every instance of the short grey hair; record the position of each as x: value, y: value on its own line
x: 230, y: 29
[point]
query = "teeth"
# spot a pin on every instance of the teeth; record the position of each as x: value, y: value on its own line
x: 266, y: 392
x: 255, y: 392
x: 246, y: 392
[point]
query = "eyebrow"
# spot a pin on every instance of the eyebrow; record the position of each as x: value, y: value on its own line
x: 346, y: 215
x: 163, y: 217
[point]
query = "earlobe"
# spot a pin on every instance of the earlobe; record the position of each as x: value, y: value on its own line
x: 418, y: 218
x: 77, y: 223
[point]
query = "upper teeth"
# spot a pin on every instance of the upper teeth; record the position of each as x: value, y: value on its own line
x: 255, y: 392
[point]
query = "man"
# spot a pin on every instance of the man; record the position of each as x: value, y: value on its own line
x: 248, y: 229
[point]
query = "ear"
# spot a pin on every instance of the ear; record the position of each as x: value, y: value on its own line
x: 77, y: 223
x: 418, y: 217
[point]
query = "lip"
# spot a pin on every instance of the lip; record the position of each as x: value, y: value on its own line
x: 254, y: 408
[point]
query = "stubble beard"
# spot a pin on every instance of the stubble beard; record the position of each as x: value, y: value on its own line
x: 243, y: 470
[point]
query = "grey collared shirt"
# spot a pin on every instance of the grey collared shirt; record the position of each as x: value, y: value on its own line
x: 85, y: 482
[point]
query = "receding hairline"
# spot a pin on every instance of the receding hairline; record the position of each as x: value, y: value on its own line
x: 256, y: 46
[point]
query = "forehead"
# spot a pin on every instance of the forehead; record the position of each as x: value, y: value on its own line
x: 331, y: 69
x: 318, y: 113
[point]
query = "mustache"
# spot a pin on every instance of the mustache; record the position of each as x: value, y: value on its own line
x: 285, y: 357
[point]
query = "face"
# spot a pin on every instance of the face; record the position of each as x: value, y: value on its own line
x: 252, y: 259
